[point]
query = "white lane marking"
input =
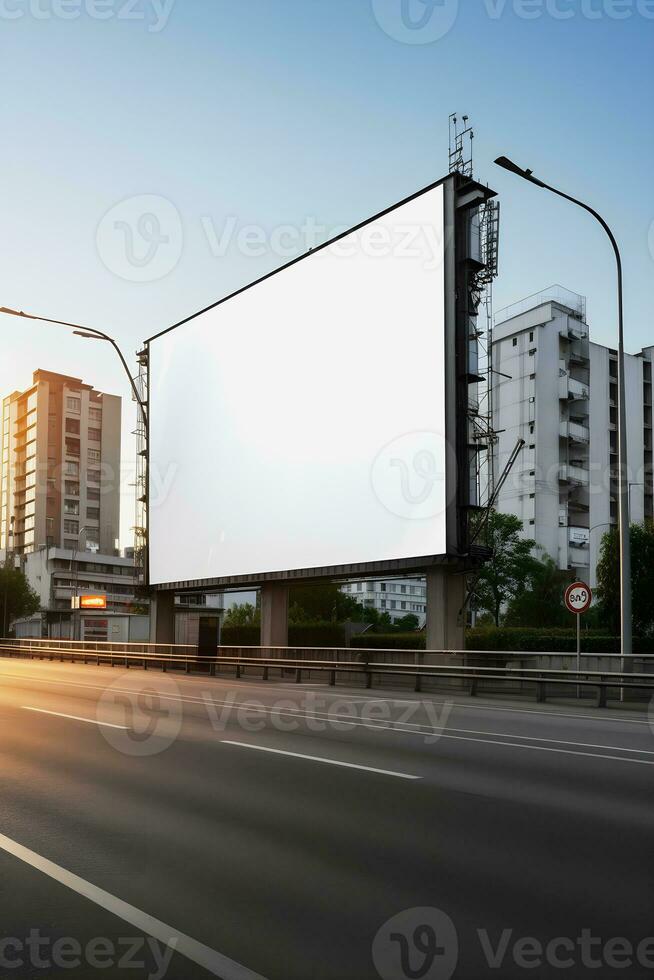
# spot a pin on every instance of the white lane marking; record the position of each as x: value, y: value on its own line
x: 546, y: 748
x: 60, y: 714
x: 214, y: 962
x: 473, y: 704
x: 317, y: 758
x: 416, y: 728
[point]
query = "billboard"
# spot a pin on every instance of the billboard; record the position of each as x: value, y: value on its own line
x: 300, y: 424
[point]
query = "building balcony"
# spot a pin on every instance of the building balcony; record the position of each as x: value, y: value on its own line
x: 575, y: 475
x: 578, y: 557
x: 574, y: 431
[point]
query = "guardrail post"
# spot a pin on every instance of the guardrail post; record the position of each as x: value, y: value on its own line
x: 473, y: 687
x: 540, y: 691
x: 265, y: 673
x: 601, y: 701
x: 368, y: 673
x: 298, y: 675
x: 145, y: 663
x: 418, y: 684
x: 332, y: 678
x: 126, y: 663
x: 187, y: 666
x: 238, y: 669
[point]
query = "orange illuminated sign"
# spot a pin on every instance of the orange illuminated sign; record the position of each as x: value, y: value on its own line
x: 93, y: 602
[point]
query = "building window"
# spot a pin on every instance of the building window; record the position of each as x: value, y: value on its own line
x: 382, y: 586
x: 71, y: 527
x: 93, y: 476
x: 95, y: 414
x: 71, y: 469
x: 93, y: 513
x: 72, y: 426
x: 515, y: 341
x: 93, y: 495
x: 73, y: 404
x: 71, y: 507
x: 72, y: 447
x: 72, y: 489
x: 70, y: 545
x: 531, y: 337
x: 95, y: 435
x: 94, y: 455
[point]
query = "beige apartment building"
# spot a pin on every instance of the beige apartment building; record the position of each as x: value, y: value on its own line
x: 60, y: 467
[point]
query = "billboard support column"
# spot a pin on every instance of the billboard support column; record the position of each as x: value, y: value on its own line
x: 445, y: 598
x: 274, y: 614
x: 162, y: 617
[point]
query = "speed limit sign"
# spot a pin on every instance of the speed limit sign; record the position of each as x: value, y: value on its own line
x: 578, y: 597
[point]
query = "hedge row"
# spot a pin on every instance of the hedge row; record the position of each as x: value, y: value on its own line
x: 549, y: 640
x: 484, y: 638
x: 319, y: 635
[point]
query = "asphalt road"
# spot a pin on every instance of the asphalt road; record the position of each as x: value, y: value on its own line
x: 275, y: 830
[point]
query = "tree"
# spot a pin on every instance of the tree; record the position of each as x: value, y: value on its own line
x: 503, y: 577
x: 17, y: 597
x: 323, y: 604
x: 408, y: 623
x: 244, y: 614
x: 642, y: 578
x: 540, y: 603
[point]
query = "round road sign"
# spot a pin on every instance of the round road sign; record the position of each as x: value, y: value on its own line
x: 578, y: 597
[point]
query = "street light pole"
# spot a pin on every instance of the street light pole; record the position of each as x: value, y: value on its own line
x: 92, y: 334
x: 623, y: 476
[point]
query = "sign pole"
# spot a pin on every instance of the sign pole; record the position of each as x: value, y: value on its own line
x: 578, y: 618
x: 578, y: 598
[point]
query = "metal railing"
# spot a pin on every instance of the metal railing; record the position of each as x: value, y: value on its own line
x: 471, y: 679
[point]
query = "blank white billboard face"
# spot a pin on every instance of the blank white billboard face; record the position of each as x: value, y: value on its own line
x: 301, y: 423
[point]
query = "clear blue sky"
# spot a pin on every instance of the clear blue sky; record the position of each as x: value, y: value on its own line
x: 275, y: 112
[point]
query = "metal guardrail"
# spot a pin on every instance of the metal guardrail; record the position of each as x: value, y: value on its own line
x: 539, y: 678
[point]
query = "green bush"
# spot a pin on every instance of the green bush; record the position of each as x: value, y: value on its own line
x: 548, y: 640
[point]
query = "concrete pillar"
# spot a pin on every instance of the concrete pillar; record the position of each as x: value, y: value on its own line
x: 445, y: 596
x: 162, y: 617
x: 274, y: 614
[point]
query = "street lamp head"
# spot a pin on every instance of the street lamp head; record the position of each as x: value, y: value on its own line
x: 513, y: 168
x: 6, y: 309
x: 91, y: 336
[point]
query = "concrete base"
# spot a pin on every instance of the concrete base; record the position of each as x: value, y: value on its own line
x: 445, y: 597
x: 274, y: 614
x: 162, y: 617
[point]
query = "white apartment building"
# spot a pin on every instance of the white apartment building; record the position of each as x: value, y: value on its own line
x: 558, y: 391
x: 397, y: 597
